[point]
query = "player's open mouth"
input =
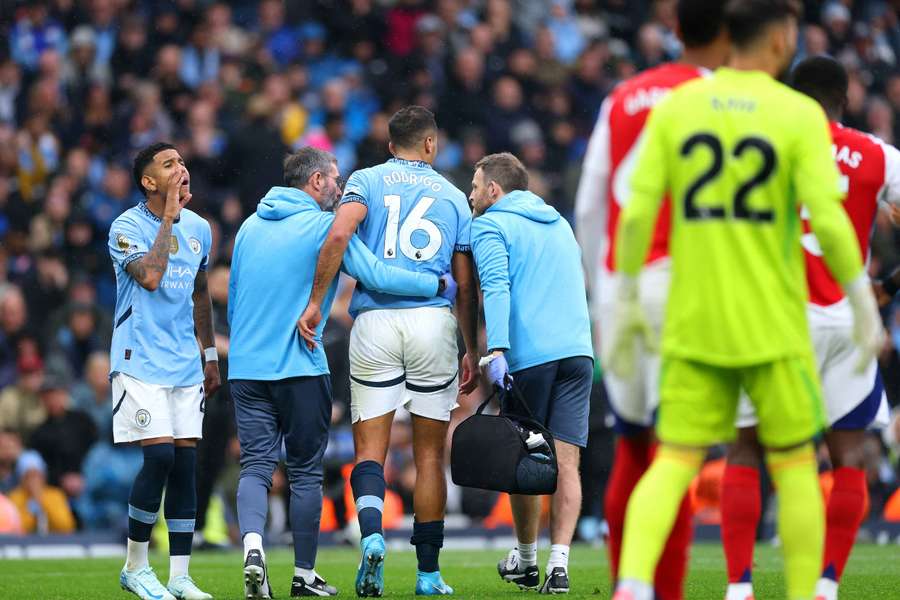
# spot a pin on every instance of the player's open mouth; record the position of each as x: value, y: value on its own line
x: 185, y: 182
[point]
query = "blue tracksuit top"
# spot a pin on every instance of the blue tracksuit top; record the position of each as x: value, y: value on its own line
x: 529, y: 264
x: 272, y: 270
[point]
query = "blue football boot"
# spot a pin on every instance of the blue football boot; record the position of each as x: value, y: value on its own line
x: 370, y: 577
x: 431, y: 584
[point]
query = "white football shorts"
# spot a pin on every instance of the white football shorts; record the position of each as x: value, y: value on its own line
x: 404, y: 358
x: 146, y: 410
x: 843, y: 389
x: 635, y: 400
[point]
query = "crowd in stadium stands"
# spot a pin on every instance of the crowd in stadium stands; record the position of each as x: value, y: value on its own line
x: 235, y: 86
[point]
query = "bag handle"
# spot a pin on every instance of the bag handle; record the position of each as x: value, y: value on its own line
x: 516, y: 394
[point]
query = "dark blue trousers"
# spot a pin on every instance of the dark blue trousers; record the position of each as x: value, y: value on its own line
x: 296, y: 411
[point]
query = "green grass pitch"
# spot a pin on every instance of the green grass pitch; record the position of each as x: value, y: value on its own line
x: 873, y: 574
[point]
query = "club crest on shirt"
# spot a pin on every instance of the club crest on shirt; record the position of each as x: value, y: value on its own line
x: 142, y: 418
x: 194, y: 244
x: 173, y: 245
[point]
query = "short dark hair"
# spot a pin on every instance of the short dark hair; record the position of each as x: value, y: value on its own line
x: 144, y: 158
x: 825, y: 80
x: 504, y: 169
x: 304, y: 163
x: 747, y: 20
x: 700, y: 21
x: 410, y: 125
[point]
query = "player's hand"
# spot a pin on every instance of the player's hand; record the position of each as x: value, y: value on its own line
x: 470, y: 375
x: 630, y: 329
x: 868, y: 329
x: 307, y: 324
x: 448, y: 288
x: 496, y: 369
x: 174, y: 201
x: 212, y: 381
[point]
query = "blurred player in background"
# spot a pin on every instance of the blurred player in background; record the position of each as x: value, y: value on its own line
x: 403, y: 351
x: 160, y: 251
x: 853, y: 391
x: 738, y: 152
x: 602, y: 192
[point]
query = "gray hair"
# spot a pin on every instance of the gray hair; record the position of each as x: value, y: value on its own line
x: 304, y: 163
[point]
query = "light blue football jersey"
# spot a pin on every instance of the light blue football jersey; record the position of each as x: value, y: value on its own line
x: 153, y: 336
x: 416, y: 220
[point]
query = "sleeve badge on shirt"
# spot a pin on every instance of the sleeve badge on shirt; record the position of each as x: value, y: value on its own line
x: 194, y: 244
x: 123, y: 242
x: 173, y: 245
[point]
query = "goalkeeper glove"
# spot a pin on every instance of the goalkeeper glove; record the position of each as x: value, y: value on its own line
x: 630, y: 327
x: 868, y: 330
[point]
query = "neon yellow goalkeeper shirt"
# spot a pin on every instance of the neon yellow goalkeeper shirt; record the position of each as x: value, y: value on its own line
x: 738, y: 152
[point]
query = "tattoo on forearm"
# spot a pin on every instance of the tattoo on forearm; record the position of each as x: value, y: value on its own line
x: 203, y: 322
x: 157, y: 260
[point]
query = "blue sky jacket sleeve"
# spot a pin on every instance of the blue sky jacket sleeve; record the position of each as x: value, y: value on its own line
x: 361, y: 264
x: 492, y: 259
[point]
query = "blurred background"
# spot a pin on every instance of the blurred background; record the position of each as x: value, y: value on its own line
x: 237, y: 85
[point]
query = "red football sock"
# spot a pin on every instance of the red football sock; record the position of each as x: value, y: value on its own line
x: 672, y: 567
x: 741, y: 507
x: 843, y: 516
x: 632, y: 458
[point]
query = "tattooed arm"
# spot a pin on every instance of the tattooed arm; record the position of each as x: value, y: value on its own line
x: 148, y: 270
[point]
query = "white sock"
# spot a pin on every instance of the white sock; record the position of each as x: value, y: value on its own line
x: 308, y: 575
x: 739, y: 591
x: 178, y: 565
x: 559, y: 557
x: 136, y: 558
x: 527, y: 553
x: 639, y: 590
x: 827, y: 589
x: 253, y: 541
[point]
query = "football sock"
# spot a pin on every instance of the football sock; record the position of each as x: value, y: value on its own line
x: 559, y: 557
x: 653, y: 508
x: 181, y: 508
x: 308, y: 575
x: 527, y: 553
x: 672, y: 567
x: 253, y: 541
x: 843, y: 516
x: 741, y: 508
x: 367, y: 482
x: 428, y: 538
x: 144, y: 499
x: 631, y: 461
x: 801, y: 517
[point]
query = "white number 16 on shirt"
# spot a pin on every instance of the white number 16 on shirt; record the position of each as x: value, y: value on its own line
x: 415, y: 221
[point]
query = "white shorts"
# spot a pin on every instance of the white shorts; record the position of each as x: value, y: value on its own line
x: 635, y: 400
x: 843, y: 389
x: 404, y: 358
x: 146, y: 410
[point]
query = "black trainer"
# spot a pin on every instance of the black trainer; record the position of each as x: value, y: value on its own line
x: 256, y: 577
x: 557, y: 582
x: 511, y: 570
x: 318, y: 587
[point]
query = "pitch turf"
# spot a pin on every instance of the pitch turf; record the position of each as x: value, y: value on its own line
x: 873, y: 574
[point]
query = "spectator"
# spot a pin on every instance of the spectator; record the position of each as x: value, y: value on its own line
x: 42, y: 508
x: 20, y: 407
x: 109, y: 471
x: 115, y: 197
x: 64, y: 438
x: 34, y: 33
x: 93, y: 396
x: 10, y: 451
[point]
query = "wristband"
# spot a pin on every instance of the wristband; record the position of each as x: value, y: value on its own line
x: 210, y: 354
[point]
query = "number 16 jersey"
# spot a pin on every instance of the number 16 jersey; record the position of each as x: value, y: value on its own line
x: 416, y: 220
x: 739, y: 152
